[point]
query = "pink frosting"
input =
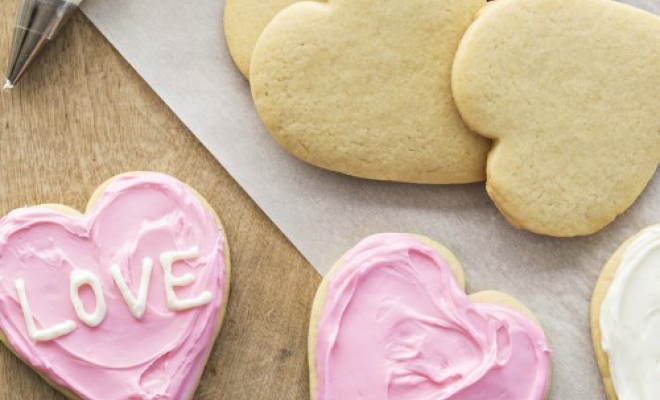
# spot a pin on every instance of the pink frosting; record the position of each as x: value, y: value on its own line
x: 397, y: 326
x: 156, y: 357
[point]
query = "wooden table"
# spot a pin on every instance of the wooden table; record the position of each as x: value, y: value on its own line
x: 82, y: 115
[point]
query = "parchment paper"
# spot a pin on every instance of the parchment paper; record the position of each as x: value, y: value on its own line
x: 178, y: 48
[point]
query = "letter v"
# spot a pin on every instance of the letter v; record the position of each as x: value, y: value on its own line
x: 136, y: 306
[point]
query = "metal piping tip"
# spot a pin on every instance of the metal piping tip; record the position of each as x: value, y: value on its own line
x: 37, y: 22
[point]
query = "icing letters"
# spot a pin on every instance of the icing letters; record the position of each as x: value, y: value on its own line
x: 174, y: 303
x: 136, y: 306
x: 39, y: 335
x: 78, y: 279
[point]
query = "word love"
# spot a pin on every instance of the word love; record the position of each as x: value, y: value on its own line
x: 136, y: 305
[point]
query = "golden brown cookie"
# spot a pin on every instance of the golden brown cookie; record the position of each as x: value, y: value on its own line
x: 568, y: 91
x: 362, y: 87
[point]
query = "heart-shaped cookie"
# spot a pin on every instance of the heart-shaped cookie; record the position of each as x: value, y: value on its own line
x: 625, y: 322
x: 123, y: 302
x: 569, y: 91
x: 362, y: 87
x: 391, y: 321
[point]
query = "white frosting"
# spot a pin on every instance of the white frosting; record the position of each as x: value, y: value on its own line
x: 45, y: 334
x: 630, y: 320
x: 173, y: 302
x: 78, y: 279
x: 136, y: 306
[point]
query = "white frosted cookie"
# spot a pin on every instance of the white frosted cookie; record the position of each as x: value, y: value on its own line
x: 625, y: 323
x: 122, y: 302
x: 398, y: 301
x: 244, y: 20
x: 362, y: 87
x: 569, y: 92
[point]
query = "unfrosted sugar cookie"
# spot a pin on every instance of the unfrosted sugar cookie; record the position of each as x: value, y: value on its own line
x: 122, y: 302
x: 362, y: 87
x: 625, y: 321
x: 244, y: 20
x: 392, y: 321
x: 569, y: 92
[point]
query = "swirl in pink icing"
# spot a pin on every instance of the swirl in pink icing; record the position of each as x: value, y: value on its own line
x: 397, y: 326
x: 158, y: 356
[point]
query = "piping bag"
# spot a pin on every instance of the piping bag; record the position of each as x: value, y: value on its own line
x: 37, y: 23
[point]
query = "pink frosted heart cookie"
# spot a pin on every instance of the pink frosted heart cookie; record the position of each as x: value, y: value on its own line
x: 122, y: 302
x: 392, y: 321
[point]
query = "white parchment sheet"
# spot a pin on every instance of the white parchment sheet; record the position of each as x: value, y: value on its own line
x: 179, y: 49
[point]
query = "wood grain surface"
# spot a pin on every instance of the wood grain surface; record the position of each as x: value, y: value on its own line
x: 82, y: 115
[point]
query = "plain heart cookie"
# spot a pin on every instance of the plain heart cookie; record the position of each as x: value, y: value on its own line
x: 568, y: 90
x: 392, y: 321
x: 362, y: 87
x: 625, y: 319
x: 244, y: 20
x: 122, y: 302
